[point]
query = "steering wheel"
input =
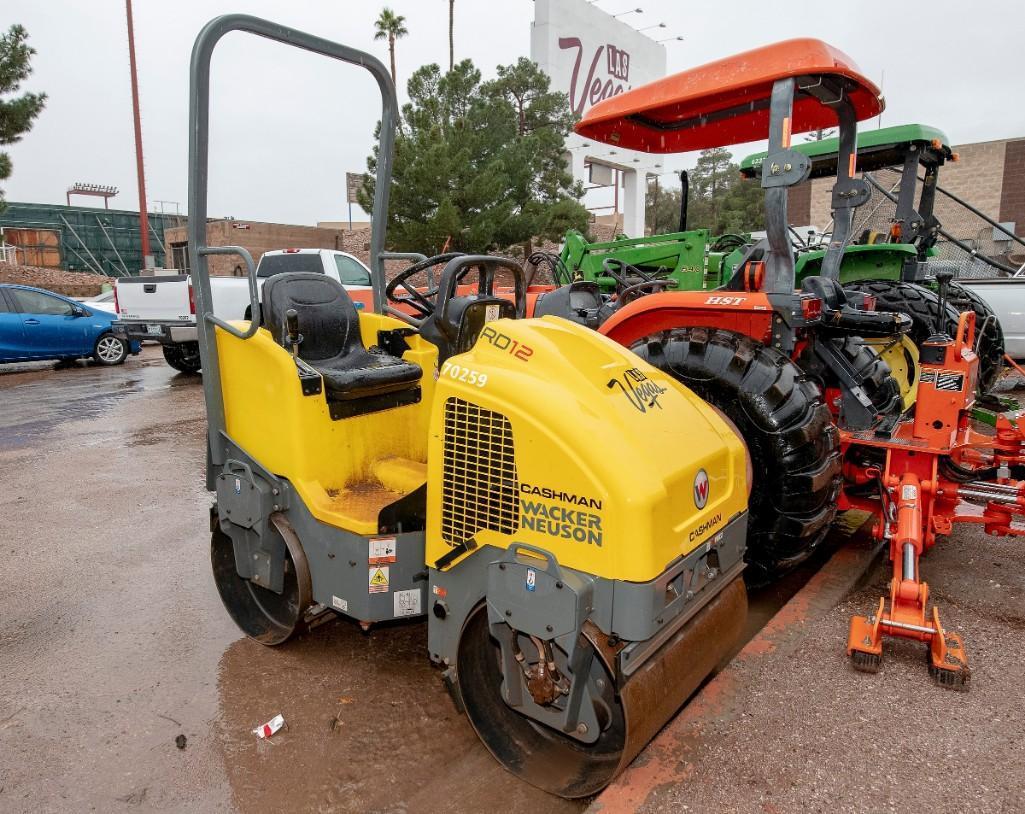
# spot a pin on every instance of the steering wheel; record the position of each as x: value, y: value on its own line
x: 420, y: 301
x: 627, y: 291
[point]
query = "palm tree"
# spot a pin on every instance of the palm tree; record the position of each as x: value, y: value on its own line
x: 451, y: 39
x: 390, y: 26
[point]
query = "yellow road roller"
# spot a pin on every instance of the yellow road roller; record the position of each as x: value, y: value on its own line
x: 569, y: 519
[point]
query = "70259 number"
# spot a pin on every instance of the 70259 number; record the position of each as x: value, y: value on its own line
x: 464, y: 374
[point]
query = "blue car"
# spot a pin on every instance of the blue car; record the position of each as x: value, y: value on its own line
x: 37, y: 324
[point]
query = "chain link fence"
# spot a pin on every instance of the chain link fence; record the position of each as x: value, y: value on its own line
x: 968, y: 240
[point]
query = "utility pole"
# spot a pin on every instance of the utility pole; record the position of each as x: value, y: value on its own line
x: 147, y: 257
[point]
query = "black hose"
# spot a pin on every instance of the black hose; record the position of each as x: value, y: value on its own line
x: 560, y: 273
x: 727, y: 242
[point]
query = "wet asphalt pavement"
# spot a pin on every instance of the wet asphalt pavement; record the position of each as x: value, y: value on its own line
x: 114, y: 643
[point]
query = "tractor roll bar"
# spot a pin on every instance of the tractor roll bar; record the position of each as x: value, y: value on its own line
x: 848, y: 192
x: 784, y: 167
x: 199, y: 143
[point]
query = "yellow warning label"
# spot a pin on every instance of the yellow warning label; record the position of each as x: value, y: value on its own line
x: 378, y: 582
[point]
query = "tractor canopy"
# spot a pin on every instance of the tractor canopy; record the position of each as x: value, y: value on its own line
x: 886, y: 147
x: 727, y: 101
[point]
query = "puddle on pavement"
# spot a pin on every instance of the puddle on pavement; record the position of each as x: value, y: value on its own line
x: 151, y: 436
x: 38, y: 402
x: 369, y: 727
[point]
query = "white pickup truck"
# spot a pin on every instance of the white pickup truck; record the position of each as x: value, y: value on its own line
x: 163, y: 309
x: 1006, y: 296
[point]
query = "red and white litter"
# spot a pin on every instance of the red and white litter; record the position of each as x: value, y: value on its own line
x: 273, y: 725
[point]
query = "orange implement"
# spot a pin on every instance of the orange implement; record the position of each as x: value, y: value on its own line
x: 727, y: 102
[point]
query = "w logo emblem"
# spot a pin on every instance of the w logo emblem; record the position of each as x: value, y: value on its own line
x: 701, y: 489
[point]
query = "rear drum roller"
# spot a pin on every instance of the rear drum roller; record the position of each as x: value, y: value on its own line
x: 790, y: 435
x: 630, y: 716
x: 262, y: 614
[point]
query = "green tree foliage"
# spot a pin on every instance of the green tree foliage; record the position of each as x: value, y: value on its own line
x: 720, y: 199
x: 18, y: 113
x: 479, y: 165
x: 390, y: 26
x: 662, y: 208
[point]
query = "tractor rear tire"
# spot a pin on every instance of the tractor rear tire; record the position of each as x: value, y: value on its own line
x: 989, y: 334
x: 184, y: 357
x: 922, y: 305
x: 876, y: 379
x: 780, y: 413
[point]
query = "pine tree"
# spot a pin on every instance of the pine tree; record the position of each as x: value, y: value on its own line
x: 719, y: 199
x: 479, y: 165
x: 16, y: 114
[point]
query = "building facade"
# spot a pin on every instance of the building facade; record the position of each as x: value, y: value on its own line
x: 590, y: 55
x: 81, y: 238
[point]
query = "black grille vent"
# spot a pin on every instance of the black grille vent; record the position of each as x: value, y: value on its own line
x: 953, y: 382
x: 480, y: 487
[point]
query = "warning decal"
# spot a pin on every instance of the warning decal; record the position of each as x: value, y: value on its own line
x: 382, y: 550
x: 406, y: 603
x: 378, y: 582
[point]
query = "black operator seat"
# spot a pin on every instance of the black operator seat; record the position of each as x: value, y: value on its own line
x: 839, y: 316
x: 331, y: 342
x: 580, y: 301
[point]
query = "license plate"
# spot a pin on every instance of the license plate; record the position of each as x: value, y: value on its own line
x: 155, y: 329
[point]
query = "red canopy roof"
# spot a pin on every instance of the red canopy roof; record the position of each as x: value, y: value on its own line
x: 741, y: 84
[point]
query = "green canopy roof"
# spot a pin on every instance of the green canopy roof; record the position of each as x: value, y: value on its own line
x: 884, y: 147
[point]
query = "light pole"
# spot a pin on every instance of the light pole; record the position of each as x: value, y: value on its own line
x: 629, y: 11
x: 667, y: 39
x: 649, y: 27
x: 147, y: 258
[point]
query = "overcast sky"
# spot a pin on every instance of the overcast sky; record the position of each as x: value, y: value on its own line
x: 286, y: 126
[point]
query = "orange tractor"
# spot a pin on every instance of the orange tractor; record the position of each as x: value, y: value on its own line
x: 918, y: 471
x: 793, y: 370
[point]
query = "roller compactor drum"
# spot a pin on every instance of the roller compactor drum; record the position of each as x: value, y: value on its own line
x: 569, y: 519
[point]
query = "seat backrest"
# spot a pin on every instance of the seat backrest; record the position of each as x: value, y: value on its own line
x: 578, y: 302
x: 328, y: 321
x: 826, y: 289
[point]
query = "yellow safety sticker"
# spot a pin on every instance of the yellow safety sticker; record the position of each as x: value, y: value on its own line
x: 379, y: 579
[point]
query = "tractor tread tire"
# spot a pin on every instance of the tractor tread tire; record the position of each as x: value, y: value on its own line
x: 989, y: 333
x: 793, y: 443
x: 922, y: 305
x: 874, y: 373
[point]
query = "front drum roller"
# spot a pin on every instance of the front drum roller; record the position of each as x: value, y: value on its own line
x: 262, y: 614
x: 639, y: 705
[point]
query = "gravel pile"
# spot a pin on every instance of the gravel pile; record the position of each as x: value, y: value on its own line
x: 68, y: 283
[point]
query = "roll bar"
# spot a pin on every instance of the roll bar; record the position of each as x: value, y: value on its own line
x: 784, y: 88
x: 199, y: 143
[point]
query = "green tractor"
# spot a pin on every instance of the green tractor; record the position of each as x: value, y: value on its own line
x: 898, y: 266
x: 685, y: 260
